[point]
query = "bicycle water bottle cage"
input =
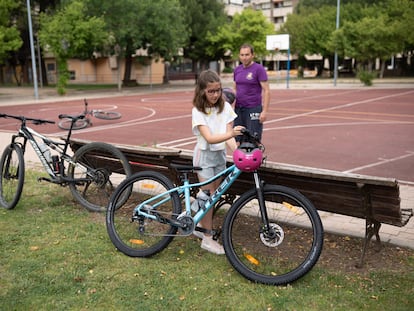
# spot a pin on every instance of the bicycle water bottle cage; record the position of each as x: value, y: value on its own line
x: 248, y: 157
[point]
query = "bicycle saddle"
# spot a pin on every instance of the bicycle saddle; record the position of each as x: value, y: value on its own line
x: 68, y: 116
x: 185, y: 168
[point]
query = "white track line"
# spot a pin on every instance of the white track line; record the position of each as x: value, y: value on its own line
x: 382, y: 161
x: 336, y: 124
x: 179, y: 142
x: 337, y: 107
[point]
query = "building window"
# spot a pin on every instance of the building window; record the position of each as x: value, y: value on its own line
x: 278, y: 20
x: 50, y: 67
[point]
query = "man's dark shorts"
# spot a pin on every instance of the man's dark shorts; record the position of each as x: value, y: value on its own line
x: 249, y: 118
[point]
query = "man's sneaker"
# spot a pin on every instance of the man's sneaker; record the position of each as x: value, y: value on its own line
x: 212, y: 246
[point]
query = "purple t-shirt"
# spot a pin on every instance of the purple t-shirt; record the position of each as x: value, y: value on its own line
x: 248, y: 88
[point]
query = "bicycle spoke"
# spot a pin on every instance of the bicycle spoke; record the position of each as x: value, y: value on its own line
x: 139, y: 235
x: 98, y: 168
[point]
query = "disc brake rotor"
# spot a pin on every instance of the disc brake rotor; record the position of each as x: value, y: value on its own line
x: 273, y: 236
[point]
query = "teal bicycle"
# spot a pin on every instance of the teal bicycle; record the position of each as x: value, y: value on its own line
x: 271, y: 234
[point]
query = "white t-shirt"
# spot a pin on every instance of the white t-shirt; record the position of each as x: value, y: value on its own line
x: 216, y: 122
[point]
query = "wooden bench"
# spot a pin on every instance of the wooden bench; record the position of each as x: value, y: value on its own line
x: 375, y: 199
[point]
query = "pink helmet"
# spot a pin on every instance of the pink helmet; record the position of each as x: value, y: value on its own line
x: 247, y: 157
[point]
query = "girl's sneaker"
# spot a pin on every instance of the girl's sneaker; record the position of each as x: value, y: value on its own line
x: 198, y: 234
x: 212, y: 246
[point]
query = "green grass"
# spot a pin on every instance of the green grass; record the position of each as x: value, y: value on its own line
x: 57, y: 256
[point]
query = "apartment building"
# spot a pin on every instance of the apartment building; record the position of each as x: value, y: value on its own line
x: 275, y: 10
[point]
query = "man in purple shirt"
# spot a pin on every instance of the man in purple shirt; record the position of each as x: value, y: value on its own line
x: 252, y: 92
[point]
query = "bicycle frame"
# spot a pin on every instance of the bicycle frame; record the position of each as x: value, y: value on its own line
x: 29, y: 134
x: 232, y: 173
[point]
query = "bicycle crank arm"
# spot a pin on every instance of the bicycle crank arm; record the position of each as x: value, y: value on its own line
x: 76, y: 181
x: 51, y: 180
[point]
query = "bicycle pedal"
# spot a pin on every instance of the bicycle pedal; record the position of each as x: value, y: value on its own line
x: 216, y: 234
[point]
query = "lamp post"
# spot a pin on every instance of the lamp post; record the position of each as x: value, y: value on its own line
x: 32, y: 50
x: 338, y: 5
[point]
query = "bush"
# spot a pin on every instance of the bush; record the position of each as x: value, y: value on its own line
x: 366, y: 77
x: 227, y: 70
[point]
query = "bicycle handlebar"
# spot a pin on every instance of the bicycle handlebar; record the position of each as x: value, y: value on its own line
x: 251, y: 137
x: 24, y: 119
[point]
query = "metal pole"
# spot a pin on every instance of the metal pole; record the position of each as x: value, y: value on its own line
x: 39, y: 59
x: 338, y: 5
x: 29, y: 18
x: 288, y: 69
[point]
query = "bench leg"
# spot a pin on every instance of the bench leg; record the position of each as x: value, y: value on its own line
x: 226, y: 199
x: 372, y: 228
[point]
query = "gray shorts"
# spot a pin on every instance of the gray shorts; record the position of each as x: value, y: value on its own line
x: 212, y: 162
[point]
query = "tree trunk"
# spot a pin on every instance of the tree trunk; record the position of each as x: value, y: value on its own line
x: 127, y: 73
x: 381, y: 75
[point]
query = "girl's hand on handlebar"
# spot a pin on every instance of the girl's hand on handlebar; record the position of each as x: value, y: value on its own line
x: 238, y: 130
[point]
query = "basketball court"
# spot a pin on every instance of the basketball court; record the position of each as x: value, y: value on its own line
x: 357, y: 130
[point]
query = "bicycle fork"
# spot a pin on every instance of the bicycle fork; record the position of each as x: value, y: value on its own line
x: 259, y: 186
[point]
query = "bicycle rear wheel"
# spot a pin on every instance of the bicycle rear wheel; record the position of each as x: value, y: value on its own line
x: 138, y: 236
x: 97, y: 169
x: 283, y: 253
x: 65, y: 124
x: 12, y: 176
x: 107, y: 115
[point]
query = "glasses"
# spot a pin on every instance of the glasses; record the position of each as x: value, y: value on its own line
x: 212, y: 92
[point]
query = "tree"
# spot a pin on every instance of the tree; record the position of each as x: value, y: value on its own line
x: 202, y: 17
x: 377, y: 32
x: 401, y: 17
x: 156, y: 26
x: 310, y: 32
x: 69, y: 33
x: 249, y: 26
x: 9, y: 34
x: 365, y: 40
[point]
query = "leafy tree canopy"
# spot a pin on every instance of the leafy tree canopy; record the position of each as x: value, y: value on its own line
x: 70, y: 32
x: 158, y: 25
x: 249, y: 26
x: 202, y: 17
x: 9, y: 35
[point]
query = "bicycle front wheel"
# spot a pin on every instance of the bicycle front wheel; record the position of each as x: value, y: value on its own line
x: 136, y: 235
x: 12, y: 176
x: 65, y: 124
x: 96, y: 171
x: 281, y: 253
x: 107, y: 115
